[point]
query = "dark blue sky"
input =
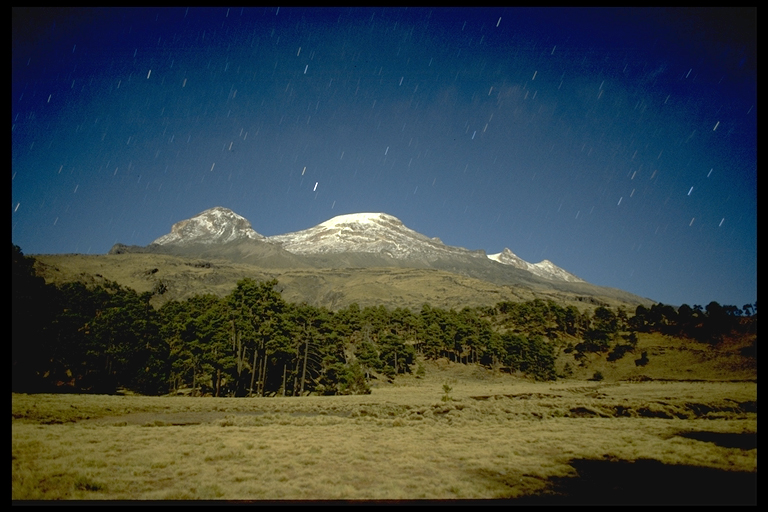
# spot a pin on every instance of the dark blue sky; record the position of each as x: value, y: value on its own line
x: 618, y: 143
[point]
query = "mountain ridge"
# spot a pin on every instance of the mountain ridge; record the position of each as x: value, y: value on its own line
x: 363, y: 241
x: 374, y: 233
x: 544, y: 268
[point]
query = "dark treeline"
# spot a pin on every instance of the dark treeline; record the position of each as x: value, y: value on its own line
x: 707, y: 324
x: 253, y: 343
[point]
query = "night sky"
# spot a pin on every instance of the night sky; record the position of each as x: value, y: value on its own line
x: 620, y: 144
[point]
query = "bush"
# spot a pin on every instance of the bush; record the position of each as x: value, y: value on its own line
x: 447, y: 389
x: 597, y: 376
x: 631, y: 338
x: 618, y: 352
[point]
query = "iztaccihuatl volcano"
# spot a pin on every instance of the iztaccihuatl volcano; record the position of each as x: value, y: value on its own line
x: 364, y: 241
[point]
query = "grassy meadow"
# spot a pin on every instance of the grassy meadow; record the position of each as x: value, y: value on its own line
x: 458, y: 432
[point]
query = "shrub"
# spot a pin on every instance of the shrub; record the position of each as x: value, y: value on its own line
x: 447, y: 389
x: 618, y: 352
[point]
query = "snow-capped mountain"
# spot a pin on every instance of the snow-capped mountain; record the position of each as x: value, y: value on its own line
x: 544, y: 268
x: 214, y: 226
x: 377, y: 233
x: 353, y: 240
x: 384, y: 234
x: 328, y: 262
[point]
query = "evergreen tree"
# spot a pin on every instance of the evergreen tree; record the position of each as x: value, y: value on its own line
x: 33, y: 308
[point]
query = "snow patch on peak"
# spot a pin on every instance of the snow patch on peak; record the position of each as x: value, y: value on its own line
x: 360, y: 218
x: 546, y: 264
x: 546, y: 268
x: 507, y: 257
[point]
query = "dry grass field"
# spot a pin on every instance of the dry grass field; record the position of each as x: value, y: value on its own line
x: 458, y: 433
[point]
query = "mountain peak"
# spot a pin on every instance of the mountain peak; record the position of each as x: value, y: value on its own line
x: 544, y: 268
x: 507, y: 257
x: 378, y: 233
x: 361, y: 218
x: 215, y: 225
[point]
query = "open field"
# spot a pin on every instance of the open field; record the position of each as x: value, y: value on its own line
x: 490, y: 436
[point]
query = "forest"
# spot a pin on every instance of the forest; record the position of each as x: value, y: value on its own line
x: 102, y: 339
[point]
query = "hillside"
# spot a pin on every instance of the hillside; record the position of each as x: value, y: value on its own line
x: 671, y: 358
x: 667, y: 357
x: 182, y: 277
